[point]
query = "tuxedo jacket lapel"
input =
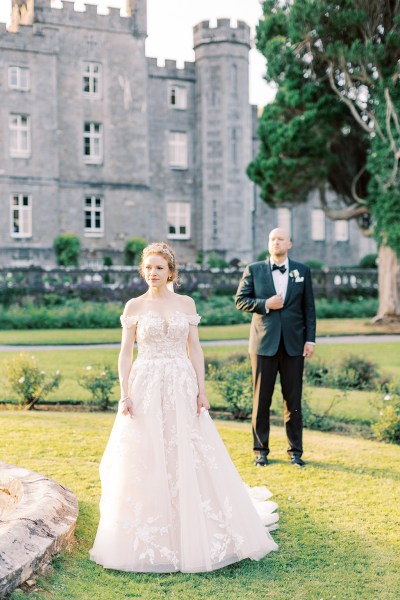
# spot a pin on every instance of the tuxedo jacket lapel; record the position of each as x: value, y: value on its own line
x: 268, y: 275
x: 290, y: 282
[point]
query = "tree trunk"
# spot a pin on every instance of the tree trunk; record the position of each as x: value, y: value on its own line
x: 389, y: 285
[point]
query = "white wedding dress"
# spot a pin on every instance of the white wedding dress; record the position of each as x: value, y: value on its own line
x: 172, y: 499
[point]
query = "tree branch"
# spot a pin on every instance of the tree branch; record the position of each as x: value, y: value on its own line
x: 356, y: 197
x: 342, y: 214
x: 348, y: 102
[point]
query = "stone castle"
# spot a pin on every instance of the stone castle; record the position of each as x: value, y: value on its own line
x: 100, y: 141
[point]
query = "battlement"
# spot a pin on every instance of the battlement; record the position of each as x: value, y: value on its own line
x: 225, y: 31
x: 35, y: 37
x: 90, y: 18
x: 170, y: 70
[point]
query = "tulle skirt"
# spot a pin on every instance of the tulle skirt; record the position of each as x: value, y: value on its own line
x: 172, y: 499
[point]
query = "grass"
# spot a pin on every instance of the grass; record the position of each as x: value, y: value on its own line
x: 355, y: 406
x: 325, y: 328
x: 338, y: 533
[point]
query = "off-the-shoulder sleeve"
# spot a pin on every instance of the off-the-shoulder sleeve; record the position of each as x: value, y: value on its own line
x: 194, y: 319
x: 128, y: 322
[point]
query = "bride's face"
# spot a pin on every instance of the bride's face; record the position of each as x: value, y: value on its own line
x: 156, y: 270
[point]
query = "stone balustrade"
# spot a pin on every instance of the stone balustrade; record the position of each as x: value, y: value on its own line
x: 121, y: 283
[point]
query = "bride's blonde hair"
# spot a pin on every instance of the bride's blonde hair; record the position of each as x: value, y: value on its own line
x: 166, y: 252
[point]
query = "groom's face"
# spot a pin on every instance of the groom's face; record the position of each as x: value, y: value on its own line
x: 279, y: 243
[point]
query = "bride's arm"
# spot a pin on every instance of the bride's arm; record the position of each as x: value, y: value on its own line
x: 124, y: 367
x: 197, y: 359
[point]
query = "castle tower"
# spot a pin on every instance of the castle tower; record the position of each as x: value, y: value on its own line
x: 224, y: 139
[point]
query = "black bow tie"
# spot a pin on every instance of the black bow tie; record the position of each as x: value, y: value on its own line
x: 282, y: 268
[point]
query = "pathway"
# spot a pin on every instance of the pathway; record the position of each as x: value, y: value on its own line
x: 340, y: 339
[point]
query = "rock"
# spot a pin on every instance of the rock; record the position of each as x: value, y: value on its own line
x: 36, y: 522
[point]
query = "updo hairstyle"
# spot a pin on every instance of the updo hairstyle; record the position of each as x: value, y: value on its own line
x: 166, y: 252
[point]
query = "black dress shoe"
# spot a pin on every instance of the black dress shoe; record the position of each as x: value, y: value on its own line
x: 297, y: 461
x: 261, y: 459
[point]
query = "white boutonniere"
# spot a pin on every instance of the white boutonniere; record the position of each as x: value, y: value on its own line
x: 295, y: 276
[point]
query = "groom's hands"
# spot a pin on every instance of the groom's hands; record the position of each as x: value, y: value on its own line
x: 274, y: 302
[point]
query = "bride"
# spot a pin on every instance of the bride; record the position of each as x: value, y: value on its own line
x: 172, y: 500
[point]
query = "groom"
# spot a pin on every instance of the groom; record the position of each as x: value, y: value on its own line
x: 278, y: 291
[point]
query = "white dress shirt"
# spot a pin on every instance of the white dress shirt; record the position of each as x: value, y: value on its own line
x: 281, y: 280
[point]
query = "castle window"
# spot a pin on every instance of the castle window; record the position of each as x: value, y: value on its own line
x: 18, y: 78
x: 178, y: 97
x: 234, y: 146
x: 178, y: 219
x: 342, y: 231
x: 21, y: 216
x: 234, y: 79
x: 20, y: 136
x: 317, y: 225
x: 178, y: 150
x: 91, y: 81
x: 93, y: 142
x: 93, y: 216
x: 284, y: 219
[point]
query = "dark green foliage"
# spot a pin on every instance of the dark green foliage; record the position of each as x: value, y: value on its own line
x: 356, y: 373
x: 99, y: 380
x: 323, y: 54
x: 369, y: 261
x: 31, y: 383
x: 133, y: 249
x: 263, y: 255
x: 56, y: 313
x: 234, y: 381
x: 107, y: 261
x: 67, y: 247
x: 317, y: 372
x: 214, y: 261
x: 352, y: 373
x: 346, y: 309
x: 314, y: 264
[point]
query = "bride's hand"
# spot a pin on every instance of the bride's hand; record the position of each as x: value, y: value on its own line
x: 126, y: 406
x: 202, y: 402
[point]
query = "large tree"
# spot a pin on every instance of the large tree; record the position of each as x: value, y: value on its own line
x: 334, y: 123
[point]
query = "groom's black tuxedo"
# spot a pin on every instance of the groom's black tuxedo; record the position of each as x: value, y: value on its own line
x: 295, y: 322
x: 276, y: 344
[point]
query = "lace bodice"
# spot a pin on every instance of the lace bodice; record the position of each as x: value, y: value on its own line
x: 158, y: 338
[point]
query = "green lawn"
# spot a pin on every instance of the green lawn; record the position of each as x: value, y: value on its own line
x: 325, y: 327
x: 355, y: 406
x: 338, y: 533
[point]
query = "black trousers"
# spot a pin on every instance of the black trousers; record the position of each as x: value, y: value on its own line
x: 265, y: 370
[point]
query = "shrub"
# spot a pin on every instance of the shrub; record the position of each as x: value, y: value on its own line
x: 314, y: 264
x: 321, y: 422
x: 107, y: 261
x: 356, y: 373
x: 234, y: 381
x: 346, y: 309
x: 67, y: 247
x: 133, y: 249
x: 387, y: 427
x: 214, y: 261
x: 99, y: 381
x: 263, y: 255
x: 29, y: 381
x: 317, y: 373
x: 369, y: 261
